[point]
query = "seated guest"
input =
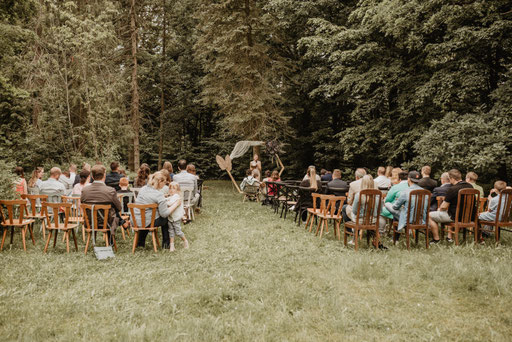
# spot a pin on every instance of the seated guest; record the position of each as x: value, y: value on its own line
x: 381, y: 181
x: 440, y: 191
x: 20, y: 184
x: 394, y: 193
x: 34, y: 183
x: 336, y: 184
x: 84, y: 181
x: 150, y: 194
x: 447, y: 210
x: 114, y: 176
x: 68, y: 182
x: 52, y: 185
x: 86, y: 167
x: 192, y: 170
x: 355, y: 186
x: 168, y: 166
x: 142, y: 176
x: 99, y: 193
x: 325, y: 176
x: 305, y: 199
x: 471, y: 178
x: 494, y: 195
x: 123, y: 185
x: 389, y: 172
x: 426, y: 182
x: 366, y: 183
x: 318, y: 178
x: 399, y: 207
x: 165, y: 189
x: 394, y: 176
x: 272, y: 190
x: 185, y: 179
x: 255, y: 166
x: 249, y: 180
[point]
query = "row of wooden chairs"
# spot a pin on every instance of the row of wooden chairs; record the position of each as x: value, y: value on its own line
x: 65, y: 217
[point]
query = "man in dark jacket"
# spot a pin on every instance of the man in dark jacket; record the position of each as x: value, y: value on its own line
x: 440, y: 191
x: 114, y: 176
x: 337, y: 187
x: 426, y: 182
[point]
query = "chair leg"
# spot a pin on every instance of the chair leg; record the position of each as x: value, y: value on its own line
x: 307, y: 221
x: 83, y: 233
x: 456, y: 236
x: 74, y: 240
x: 87, y: 243
x: 407, y: 237
x: 154, y: 241
x: 48, y: 241
x: 66, y: 234
x: 31, y: 230
x: 322, y: 224
x: 318, y: 226
x: 426, y: 236
x: 3, y: 238
x: 55, y: 238
x: 114, y: 242
x: 156, y: 237
x: 135, y: 240
x: 356, y: 238
x: 122, y: 232
x: 23, y: 233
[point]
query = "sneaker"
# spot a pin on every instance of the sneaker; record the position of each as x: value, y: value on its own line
x: 351, y: 242
x: 382, y: 247
x: 185, y: 244
x: 449, y: 240
x: 172, y: 249
x: 434, y: 242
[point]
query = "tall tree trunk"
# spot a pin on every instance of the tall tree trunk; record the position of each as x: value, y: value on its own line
x: 134, y: 91
x: 162, y: 96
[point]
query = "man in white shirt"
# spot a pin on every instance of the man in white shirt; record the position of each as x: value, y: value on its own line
x: 52, y: 186
x: 353, y: 189
x: 185, y: 179
x: 72, y: 172
x: 382, y: 181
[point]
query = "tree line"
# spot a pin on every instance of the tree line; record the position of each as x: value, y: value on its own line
x: 340, y: 83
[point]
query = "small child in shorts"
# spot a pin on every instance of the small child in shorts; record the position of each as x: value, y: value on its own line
x: 177, y: 212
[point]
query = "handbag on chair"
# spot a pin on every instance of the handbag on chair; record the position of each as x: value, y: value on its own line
x: 101, y: 253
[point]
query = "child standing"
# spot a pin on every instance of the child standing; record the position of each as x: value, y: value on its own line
x: 177, y: 212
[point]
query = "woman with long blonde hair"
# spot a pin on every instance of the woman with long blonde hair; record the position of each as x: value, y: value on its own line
x: 35, y: 179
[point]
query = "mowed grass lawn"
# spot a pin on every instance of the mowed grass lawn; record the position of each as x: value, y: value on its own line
x: 250, y: 276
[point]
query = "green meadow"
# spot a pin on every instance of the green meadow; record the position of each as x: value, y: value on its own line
x: 251, y: 276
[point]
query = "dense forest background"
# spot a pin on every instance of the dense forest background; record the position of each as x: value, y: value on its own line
x: 340, y: 83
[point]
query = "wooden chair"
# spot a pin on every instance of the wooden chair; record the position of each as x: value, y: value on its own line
x: 125, y: 214
x: 90, y: 216
x: 415, y: 216
x: 136, y: 228
x: 367, y: 217
x: 75, y: 215
x: 292, y: 196
x: 305, y: 194
x: 466, y: 216
x: 57, y: 225
x: 331, y: 211
x: 15, y: 208
x: 135, y: 192
x: 36, y: 212
x: 186, y: 196
x: 312, y: 212
x: 252, y: 192
x: 503, y: 219
x: 481, y: 205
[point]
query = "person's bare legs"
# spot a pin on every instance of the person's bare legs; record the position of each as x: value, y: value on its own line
x: 434, y: 228
x: 185, y: 241
x: 171, y: 248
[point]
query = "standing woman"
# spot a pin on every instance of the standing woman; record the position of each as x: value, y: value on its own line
x: 149, y: 194
x: 35, y: 180
x: 255, y: 166
x: 20, y: 184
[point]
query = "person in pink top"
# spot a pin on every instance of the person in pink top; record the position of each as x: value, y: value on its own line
x: 85, y: 180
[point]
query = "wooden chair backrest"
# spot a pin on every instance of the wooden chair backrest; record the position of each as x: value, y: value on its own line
x: 142, y: 208
x: 186, y: 194
x: 420, y: 199
x: 324, y: 204
x: 33, y: 190
x: 33, y: 199
x: 91, y: 216
x: 481, y: 205
x: 55, y: 207
x: 122, y: 196
x: 316, y: 199
x: 467, y: 206
x: 75, y: 205
x: 504, y: 210
x: 440, y: 200
x: 11, y: 206
x: 251, y: 189
x: 333, y: 204
x: 135, y: 191
x: 368, y: 208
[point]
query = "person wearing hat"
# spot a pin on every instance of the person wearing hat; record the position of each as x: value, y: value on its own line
x: 399, y: 207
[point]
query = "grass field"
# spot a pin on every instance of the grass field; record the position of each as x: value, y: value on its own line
x: 250, y: 276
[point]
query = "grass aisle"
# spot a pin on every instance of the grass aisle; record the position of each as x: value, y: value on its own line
x: 250, y: 276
